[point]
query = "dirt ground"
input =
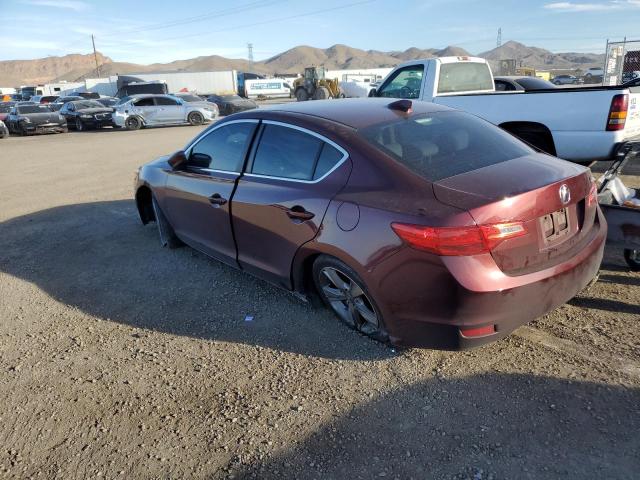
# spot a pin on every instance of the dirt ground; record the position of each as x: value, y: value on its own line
x: 120, y: 359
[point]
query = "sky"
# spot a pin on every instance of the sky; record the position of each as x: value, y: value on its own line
x: 145, y: 31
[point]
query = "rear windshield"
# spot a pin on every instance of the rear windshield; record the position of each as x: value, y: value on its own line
x: 443, y: 144
x: 464, y: 77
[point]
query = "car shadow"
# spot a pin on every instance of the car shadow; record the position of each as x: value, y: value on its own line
x: 99, y: 258
x: 606, y: 304
x: 488, y: 426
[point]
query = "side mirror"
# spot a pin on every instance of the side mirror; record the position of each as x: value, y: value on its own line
x: 373, y: 92
x: 201, y: 160
x: 177, y: 160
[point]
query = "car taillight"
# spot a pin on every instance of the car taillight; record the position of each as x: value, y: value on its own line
x: 458, y: 240
x: 618, y: 112
x: 592, y: 197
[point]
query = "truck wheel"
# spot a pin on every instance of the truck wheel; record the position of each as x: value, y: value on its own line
x: 132, y: 123
x: 322, y: 93
x: 632, y: 257
x: 302, y: 95
x: 195, y: 118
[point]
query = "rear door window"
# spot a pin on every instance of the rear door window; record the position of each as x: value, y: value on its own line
x: 443, y: 144
x: 224, y: 148
x: 166, y: 101
x: 464, y: 77
x: 286, y: 152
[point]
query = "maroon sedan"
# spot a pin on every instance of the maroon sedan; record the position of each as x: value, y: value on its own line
x: 415, y: 223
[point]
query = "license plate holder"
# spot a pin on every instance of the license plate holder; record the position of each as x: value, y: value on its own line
x: 555, y: 225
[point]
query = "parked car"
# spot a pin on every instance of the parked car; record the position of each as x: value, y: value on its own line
x: 630, y: 76
x: 86, y: 114
x: 108, y: 101
x: 594, y: 72
x: 527, y: 84
x: 566, y: 80
x: 195, y: 100
x: 414, y: 223
x: 4, y: 131
x: 5, y: 108
x: 155, y: 110
x: 44, y: 99
x: 582, y: 125
x: 57, y: 105
x: 33, y: 119
x: 87, y: 95
x: 632, y: 83
x: 228, y: 104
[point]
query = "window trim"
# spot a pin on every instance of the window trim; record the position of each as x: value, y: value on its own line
x: 206, y: 133
x: 345, y: 154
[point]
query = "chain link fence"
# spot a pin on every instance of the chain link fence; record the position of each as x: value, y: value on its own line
x: 622, y: 62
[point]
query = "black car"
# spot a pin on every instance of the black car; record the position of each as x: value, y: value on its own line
x: 34, y: 118
x: 57, y: 105
x: 86, y: 114
x: 228, y: 104
x: 528, y: 84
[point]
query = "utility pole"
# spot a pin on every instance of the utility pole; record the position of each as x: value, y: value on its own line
x: 95, y: 56
x: 250, y: 56
x: 499, y: 39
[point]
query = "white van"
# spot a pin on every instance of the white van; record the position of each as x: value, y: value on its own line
x: 268, y: 88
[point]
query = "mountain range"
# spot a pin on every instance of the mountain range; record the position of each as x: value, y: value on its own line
x: 75, y: 67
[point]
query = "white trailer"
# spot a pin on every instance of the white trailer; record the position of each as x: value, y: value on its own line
x: 7, y: 91
x: 373, y: 74
x: 200, y: 83
x: 61, y: 88
x: 267, y: 88
x: 107, y: 87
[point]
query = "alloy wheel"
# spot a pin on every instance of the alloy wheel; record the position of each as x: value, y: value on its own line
x: 348, y: 300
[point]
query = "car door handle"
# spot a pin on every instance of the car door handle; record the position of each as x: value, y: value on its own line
x: 216, y: 199
x: 299, y: 213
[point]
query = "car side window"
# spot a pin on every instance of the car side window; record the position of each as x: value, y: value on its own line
x: 144, y: 102
x: 329, y: 158
x: 286, y: 153
x: 166, y: 101
x: 405, y: 83
x: 223, y: 148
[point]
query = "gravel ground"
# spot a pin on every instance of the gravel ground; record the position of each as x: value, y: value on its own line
x: 120, y: 359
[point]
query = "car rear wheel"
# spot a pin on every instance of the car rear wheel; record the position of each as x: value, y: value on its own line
x: 166, y: 233
x: 345, y: 293
x: 195, y: 118
x: 132, y: 123
x: 632, y: 257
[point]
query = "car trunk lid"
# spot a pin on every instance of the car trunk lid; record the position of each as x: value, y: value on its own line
x: 547, y: 195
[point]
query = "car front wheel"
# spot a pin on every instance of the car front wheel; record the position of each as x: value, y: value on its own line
x: 133, y: 123
x: 632, y: 257
x: 195, y: 118
x: 345, y: 293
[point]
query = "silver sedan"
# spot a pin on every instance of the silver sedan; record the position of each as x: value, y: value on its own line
x: 149, y: 110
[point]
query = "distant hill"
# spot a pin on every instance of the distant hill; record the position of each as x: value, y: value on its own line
x: 541, y: 58
x: 77, y: 67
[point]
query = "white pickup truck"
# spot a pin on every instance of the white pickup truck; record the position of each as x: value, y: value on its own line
x: 581, y: 124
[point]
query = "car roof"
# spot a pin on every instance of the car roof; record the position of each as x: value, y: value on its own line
x: 354, y: 112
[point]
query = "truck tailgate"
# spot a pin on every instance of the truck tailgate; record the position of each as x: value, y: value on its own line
x: 632, y: 126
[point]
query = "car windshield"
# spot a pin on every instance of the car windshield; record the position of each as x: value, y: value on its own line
x: 87, y: 104
x: 229, y: 98
x: 443, y: 144
x: 33, y: 109
x: 5, y: 107
x: 108, y: 102
x: 190, y: 98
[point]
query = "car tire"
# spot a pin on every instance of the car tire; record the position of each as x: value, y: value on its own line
x: 168, y: 237
x: 79, y: 125
x: 632, y: 257
x: 132, y: 123
x: 344, y: 292
x: 195, y: 119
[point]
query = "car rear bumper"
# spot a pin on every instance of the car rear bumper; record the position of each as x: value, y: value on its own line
x: 436, y: 320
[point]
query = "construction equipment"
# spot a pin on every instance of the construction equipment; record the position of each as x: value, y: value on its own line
x: 314, y: 85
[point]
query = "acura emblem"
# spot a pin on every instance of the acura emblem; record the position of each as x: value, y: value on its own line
x: 565, y: 194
